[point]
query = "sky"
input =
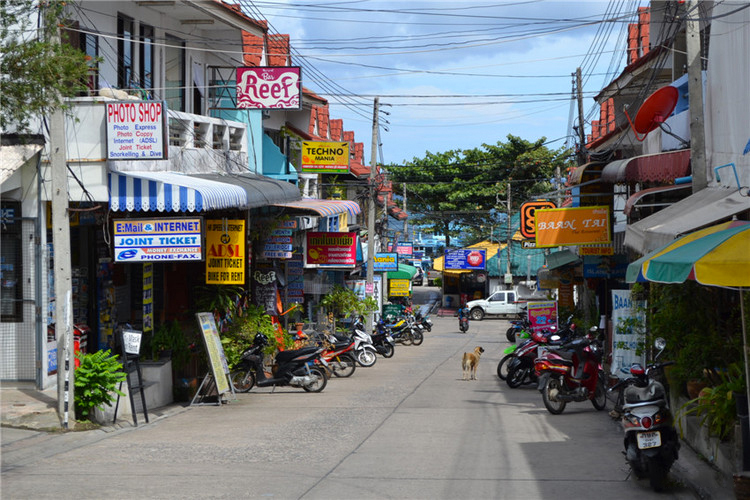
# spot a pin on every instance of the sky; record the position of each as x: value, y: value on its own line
x: 453, y: 74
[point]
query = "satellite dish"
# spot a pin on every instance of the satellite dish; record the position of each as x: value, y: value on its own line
x: 654, y: 111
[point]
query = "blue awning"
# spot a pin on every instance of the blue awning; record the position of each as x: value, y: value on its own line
x: 325, y: 207
x: 171, y: 192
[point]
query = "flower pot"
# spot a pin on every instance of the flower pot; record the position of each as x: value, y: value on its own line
x: 694, y: 387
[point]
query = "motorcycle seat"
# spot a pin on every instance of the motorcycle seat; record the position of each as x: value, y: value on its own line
x: 652, y: 392
x: 285, y: 356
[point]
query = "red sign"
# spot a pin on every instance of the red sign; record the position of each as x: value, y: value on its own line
x: 269, y: 88
x: 528, y: 209
x: 331, y: 250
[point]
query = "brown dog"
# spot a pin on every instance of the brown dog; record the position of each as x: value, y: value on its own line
x: 470, y: 363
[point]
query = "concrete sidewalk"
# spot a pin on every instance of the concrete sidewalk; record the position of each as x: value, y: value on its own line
x: 35, y: 414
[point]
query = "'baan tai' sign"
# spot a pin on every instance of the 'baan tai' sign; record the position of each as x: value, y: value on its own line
x: 269, y: 87
x: 572, y: 226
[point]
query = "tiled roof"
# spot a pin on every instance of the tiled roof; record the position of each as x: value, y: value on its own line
x: 252, y: 46
x: 337, y: 126
x: 237, y: 10
x: 278, y: 50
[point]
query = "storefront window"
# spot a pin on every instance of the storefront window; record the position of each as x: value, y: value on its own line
x: 125, y: 51
x: 11, y: 263
x: 174, y: 76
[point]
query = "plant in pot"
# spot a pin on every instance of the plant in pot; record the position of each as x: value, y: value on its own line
x: 340, y: 302
x: 96, y: 382
x: 239, y: 336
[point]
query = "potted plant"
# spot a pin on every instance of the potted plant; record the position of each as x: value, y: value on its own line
x: 96, y: 382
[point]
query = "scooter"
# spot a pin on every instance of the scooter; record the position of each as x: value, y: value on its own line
x: 463, y: 319
x: 521, y: 364
x: 572, y: 373
x: 251, y: 361
x: 423, y: 319
x: 651, y: 441
x: 296, y: 367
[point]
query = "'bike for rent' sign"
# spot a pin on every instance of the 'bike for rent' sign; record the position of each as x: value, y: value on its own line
x: 225, y: 252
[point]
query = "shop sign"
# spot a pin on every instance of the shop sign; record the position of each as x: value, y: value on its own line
x: 528, y: 209
x: 596, y: 250
x: 542, y: 315
x: 330, y: 249
x: 217, y: 360
x: 626, y: 339
x: 398, y: 288
x: 325, y: 157
x: 572, y: 226
x: 225, y: 252
x: 604, y: 266
x: 148, y: 296
x: 268, y: 87
x: 295, y: 285
x: 527, y: 244
x: 405, y: 248
x: 387, y: 261
x: 466, y: 258
x: 138, y: 240
x: 136, y: 130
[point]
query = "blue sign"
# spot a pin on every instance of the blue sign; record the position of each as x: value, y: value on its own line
x: 472, y: 259
x: 385, y: 262
x: 605, y: 266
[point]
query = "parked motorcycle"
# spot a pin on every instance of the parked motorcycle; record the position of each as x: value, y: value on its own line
x: 403, y: 331
x: 517, y: 326
x: 381, y: 339
x: 520, y: 366
x: 572, y: 373
x: 651, y: 441
x: 423, y: 319
x: 296, y: 367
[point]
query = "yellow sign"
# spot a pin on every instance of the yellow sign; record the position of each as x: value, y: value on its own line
x: 398, y: 288
x: 325, y: 157
x: 217, y: 360
x: 225, y: 252
x: 572, y: 226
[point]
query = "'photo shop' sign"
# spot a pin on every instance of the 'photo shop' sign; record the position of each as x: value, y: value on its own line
x: 269, y: 88
x: 136, y: 130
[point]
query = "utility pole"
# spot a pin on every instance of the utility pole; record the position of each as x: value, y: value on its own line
x: 406, y: 225
x: 510, y: 237
x: 371, y: 208
x: 695, y: 86
x: 62, y: 273
x: 581, y: 131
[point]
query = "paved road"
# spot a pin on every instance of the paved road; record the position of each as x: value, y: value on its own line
x: 408, y: 427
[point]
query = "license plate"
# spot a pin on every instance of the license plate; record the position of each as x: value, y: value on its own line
x: 649, y: 440
x: 390, y: 339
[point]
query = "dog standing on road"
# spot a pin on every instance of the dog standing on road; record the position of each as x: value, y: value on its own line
x: 470, y: 363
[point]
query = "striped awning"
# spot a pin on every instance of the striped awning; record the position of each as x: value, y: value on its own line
x: 325, y: 207
x: 171, y: 192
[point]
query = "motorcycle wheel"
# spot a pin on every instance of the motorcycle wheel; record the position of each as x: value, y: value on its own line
x: 553, y: 405
x: 367, y: 357
x: 600, y: 395
x: 343, y: 366
x: 242, y: 380
x: 417, y: 337
x: 319, y: 381
x: 516, y: 377
x: 511, y: 335
x: 657, y: 475
x: 502, y: 367
x: 389, y: 350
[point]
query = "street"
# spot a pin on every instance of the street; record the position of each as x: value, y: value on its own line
x: 409, y: 427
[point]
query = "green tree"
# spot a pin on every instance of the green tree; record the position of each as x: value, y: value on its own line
x: 36, y: 75
x: 460, y: 190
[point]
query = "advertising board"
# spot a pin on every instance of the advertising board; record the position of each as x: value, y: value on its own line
x: 325, y: 157
x: 399, y: 288
x: 225, y: 252
x: 466, y: 258
x: 266, y: 87
x: 140, y: 240
x: 136, y: 130
x: 330, y: 249
x: 528, y: 209
x: 572, y: 226
x: 385, y: 261
x: 542, y: 315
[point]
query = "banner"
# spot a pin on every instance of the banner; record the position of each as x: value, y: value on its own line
x: 325, y: 157
x: 225, y: 252
x: 269, y: 88
x: 572, y: 226
x: 330, y: 249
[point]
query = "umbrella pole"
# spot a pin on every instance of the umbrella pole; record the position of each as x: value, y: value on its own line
x: 747, y: 370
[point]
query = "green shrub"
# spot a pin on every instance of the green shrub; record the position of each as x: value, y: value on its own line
x: 96, y: 382
x: 240, y: 334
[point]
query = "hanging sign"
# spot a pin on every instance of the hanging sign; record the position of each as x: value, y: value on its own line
x: 136, y: 130
x: 269, y: 88
x: 398, y: 288
x: 528, y: 209
x: 225, y: 252
x: 330, y: 249
x: 385, y: 261
x: 137, y: 240
x: 572, y: 226
x: 325, y: 157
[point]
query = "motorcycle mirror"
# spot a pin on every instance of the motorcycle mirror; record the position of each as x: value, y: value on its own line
x: 660, y: 343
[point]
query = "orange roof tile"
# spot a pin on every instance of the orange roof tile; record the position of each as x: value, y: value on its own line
x: 278, y: 50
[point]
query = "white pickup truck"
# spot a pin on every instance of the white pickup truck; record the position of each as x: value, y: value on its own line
x: 502, y: 303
